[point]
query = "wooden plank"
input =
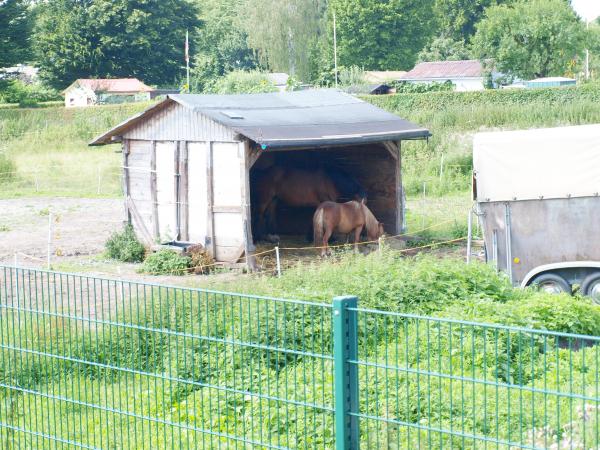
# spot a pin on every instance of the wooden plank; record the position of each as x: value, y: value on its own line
x: 400, y: 206
x: 146, y: 236
x: 227, y: 209
x: 392, y: 149
x: 126, y: 179
x: 176, y: 180
x: 183, y: 192
x: 250, y: 157
x: 153, y: 193
x: 210, y: 224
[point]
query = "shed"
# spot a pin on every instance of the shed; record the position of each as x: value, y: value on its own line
x: 188, y: 160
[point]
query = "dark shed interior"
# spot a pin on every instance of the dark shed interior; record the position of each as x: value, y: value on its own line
x: 371, y: 165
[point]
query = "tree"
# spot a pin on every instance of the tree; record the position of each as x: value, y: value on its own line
x: 241, y: 82
x: 444, y: 49
x: 530, y: 38
x: 222, y: 46
x: 381, y: 35
x: 457, y: 18
x: 14, y: 31
x: 120, y: 38
x: 283, y: 32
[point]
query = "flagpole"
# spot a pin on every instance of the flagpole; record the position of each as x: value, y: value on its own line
x: 187, y: 59
x: 335, y: 50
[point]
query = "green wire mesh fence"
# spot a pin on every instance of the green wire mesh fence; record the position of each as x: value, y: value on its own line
x: 88, y: 362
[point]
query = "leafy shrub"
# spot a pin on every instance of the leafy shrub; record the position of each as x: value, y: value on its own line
x: 27, y: 95
x: 7, y: 168
x: 124, y: 246
x: 531, y: 309
x: 404, y: 87
x: 166, y: 262
x: 244, y: 82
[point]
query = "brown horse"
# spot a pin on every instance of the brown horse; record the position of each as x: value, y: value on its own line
x: 298, y: 188
x: 345, y: 218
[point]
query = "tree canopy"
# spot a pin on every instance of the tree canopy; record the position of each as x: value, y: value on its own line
x: 113, y: 38
x: 15, y: 26
x: 531, y: 38
x: 444, y: 49
x: 457, y: 19
x: 380, y: 35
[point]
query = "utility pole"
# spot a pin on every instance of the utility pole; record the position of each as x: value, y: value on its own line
x: 187, y: 59
x: 335, y: 50
x: 587, y: 55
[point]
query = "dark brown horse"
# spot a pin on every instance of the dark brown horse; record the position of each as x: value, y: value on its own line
x: 298, y: 188
x: 346, y: 218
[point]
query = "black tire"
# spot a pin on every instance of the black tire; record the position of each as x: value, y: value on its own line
x: 552, y: 283
x: 591, y: 287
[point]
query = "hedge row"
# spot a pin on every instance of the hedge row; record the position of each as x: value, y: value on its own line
x: 407, y: 103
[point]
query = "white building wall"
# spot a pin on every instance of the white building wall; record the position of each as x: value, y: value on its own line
x: 77, y: 96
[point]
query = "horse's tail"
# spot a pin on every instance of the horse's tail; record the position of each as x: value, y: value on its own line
x: 318, y: 227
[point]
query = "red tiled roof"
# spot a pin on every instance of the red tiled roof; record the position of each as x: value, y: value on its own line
x: 114, y: 84
x: 445, y: 69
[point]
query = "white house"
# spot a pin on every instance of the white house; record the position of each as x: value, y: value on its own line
x: 465, y: 75
x: 86, y: 91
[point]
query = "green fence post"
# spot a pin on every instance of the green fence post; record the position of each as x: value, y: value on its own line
x: 345, y: 348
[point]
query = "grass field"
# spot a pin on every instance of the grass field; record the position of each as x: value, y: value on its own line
x: 155, y: 363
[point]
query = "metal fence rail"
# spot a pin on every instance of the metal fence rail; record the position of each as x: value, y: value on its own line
x: 90, y: 362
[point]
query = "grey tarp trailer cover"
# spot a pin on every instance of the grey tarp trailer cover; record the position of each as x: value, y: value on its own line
x: 537, y: 195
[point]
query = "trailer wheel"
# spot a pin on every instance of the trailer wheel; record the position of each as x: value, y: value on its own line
x: 591, y: 287
x: 552, y: 284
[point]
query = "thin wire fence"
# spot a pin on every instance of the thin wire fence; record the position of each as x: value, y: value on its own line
x: 89, y: 362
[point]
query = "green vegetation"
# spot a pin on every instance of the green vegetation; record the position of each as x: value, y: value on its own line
x: 124, y: 246
x: 241, y: 82
x: 166, y: 262
x: 156, y: 362
x: 453, y: 118
x: 48, y: 149
x: 531, y: 38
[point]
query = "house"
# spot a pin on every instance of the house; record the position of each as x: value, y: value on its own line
x: 369, y: 89
x: 465, y: 75
x: 550, y: 82
x: 383, y: 76
x: 189, y: 162
x: 279, y: 79
x: 88, y: 91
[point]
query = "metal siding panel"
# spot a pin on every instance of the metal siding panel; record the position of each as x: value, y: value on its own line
x: 544, y: 232
x: 178, y: 123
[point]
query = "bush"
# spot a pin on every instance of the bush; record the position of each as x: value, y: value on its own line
x: 27, y: 95
x: 531, y: 309
x: 403, y: 87
x: 124, y: 246
x: 7, y: 168
x: 166, y: 262
x: 242, y: 82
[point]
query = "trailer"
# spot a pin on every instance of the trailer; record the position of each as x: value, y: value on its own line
x: 537, y: 200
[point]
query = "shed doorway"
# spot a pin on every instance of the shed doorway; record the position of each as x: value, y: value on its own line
x: 375, y: 167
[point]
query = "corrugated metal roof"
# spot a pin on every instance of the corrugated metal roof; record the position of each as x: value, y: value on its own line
x: 291, y: 119
x: 470, y: 68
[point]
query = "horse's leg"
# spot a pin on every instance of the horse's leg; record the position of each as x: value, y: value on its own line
x: 327, y: 232
x: 357, y: 232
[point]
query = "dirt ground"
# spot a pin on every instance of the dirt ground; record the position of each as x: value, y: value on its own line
x: 79, y: 227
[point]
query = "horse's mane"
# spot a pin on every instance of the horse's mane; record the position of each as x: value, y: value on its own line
x: 346, y: 184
